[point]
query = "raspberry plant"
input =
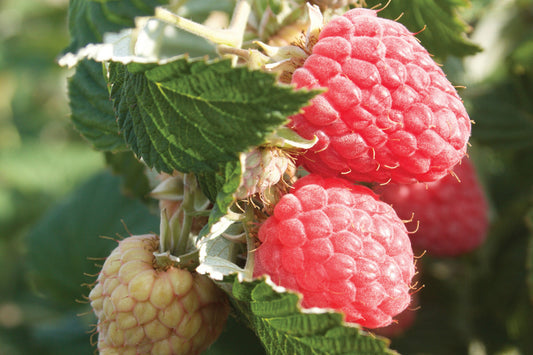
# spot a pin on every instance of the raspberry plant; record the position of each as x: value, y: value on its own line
x: 213, y: 115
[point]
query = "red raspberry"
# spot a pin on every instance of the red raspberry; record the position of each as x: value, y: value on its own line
x: 452, y: 215
x: 341, y: 248
x: 389, y: 112
x: 403, y: 321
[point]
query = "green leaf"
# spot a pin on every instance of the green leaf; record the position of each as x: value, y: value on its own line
x: 194, y: 116
x: 439, y: 27
x: 278, y: 320
x: 218, y: 254
x: 522, y: 56
x: 61, y: 244
x: 529, y: 261
x: 210, y: 183
x: 91, y: 109
x: 503, y: 118
x: 220, y: 186
x: 232, y: 180
x: 89, y: 19
x: 233, y: 332
x: 134, y: 180
x: 65, y: 334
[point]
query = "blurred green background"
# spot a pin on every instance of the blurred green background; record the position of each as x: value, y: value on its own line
x: 41, y: 160
x: 478, y: 304
x: 57, y: 198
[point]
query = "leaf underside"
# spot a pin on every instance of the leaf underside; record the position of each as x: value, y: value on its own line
x: 91, y: 109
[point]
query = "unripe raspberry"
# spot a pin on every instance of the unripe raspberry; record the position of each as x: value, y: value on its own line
x: 263, y: 168
x: 144, y: 310
x: 452, y: 212
x: 341, y: 248
x: 389, y: 112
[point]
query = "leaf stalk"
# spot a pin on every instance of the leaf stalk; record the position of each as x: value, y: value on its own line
x: 232, y: 36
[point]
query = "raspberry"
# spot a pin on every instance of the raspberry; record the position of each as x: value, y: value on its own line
x: 402, y: 322
x: 341, y: 248
x: 263, y: 168
x: 389, y: 112
x: 452, y: 214
x: 144, y: 310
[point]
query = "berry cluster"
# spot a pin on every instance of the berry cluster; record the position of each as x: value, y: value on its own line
x: 387, y: 116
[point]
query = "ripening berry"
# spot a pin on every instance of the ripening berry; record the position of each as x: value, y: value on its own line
x: 451, y: 213
x: 389, y: 114
x: 145, y: 310
x: 341, y: 248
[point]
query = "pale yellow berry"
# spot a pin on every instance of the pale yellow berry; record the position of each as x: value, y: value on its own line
x: 109, y: 308
x: 190, y: 302
x: 172, y: 315
x: 128, y: 351
x: 201, y: 284
x: 112, y: 264
x: 133, y: 336
x: 110, y: 351
x: 181, y: 281
x: 131, y: 269
x: 155, y: 330
x: 136, y: 254
x: 162, y: 348
x: 190, y: 325
x: 179, y: 345
x: 121, y: 299
x: 115, y: 335
x: 161, y: 293
x: 144, y: 310
x: 140, y: 287
x: 96, y: 295
x: 126, y: 320
x: 109, y: 285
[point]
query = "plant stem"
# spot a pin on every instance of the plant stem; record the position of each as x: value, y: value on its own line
x: 165, y: 235
x: 175, y: 5
x: 239, y: 19
x: 187, y: 208
x: 232, y: 36
x: 250, y: 245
